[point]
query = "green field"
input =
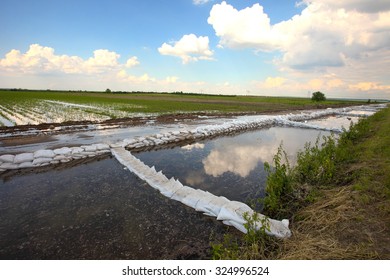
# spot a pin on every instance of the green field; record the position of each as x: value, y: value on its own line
x: 33, y: 105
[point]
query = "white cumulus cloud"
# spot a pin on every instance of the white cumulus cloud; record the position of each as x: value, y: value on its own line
x: 189, y: 48
x: 40, y: 59
x: 248, y: 28
x: 133, y: 61
x: 324, y: 34
x: 101, y: 61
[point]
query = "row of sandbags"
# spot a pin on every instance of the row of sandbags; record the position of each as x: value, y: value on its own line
x: 229, y: 212
x: 46, y: 157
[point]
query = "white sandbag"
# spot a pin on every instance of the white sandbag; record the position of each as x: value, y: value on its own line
x: 169, y: 189
x: 102, y: 147
x: 60, y: 157
x: 234, y: 211
x: 77, y: 156
x: 27, y: 164
x: 188, y: 196
x: 44, y: 154
x: 158, y: 142
x: 40, y: 161
x: 9, y: 165
x: 7, y: 158
x: 181, y: 193
x: 215, y: 205
x: 116, y: 145
x: 63, y: 151
x: 77, y: 150
x: 193, y: 198
x: 89, y: 149
x: 202, y: 205
x: 24, y: 157
x: 168, y: 185
x: 163, y: 182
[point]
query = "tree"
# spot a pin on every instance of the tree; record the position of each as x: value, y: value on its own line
x: 108, y: 90
x: 318, y: 96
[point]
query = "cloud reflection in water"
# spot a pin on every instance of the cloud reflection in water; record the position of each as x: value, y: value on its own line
x: 241, y: 154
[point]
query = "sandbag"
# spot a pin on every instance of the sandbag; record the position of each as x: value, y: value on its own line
x: 44, y: 154
x: 24, y: 157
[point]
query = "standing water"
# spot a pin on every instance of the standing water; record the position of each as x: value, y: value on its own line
x: 230, y: 166
x: 98, y: 210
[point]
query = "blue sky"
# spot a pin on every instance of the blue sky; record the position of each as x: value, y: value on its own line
x: 268, y: 47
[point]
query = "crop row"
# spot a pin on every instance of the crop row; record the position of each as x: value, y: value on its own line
x: 48, y: 111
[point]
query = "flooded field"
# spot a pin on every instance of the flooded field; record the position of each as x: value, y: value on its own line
x: 96, y: 209
x: 52, y: 111
x: 99, y: 210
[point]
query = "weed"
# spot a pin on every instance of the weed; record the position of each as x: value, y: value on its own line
x: 316, y: 164
x: 279, y: 184
x: 254, y: 245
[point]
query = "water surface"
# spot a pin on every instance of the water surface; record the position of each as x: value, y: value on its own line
x: 231, y: 166
x: 97, y: 211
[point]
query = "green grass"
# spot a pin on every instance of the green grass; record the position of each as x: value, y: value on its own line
x: 164, y: 103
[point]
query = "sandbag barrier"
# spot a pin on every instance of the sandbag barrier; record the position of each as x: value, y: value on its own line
x: 65, y: 154
x: 229, y: 212
x: 42, y: 158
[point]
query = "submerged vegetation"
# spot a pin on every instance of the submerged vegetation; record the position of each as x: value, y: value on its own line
x: 34, y: 107
x: 337, y: 198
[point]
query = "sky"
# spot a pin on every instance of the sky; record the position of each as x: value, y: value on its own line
x: 242, y: 47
